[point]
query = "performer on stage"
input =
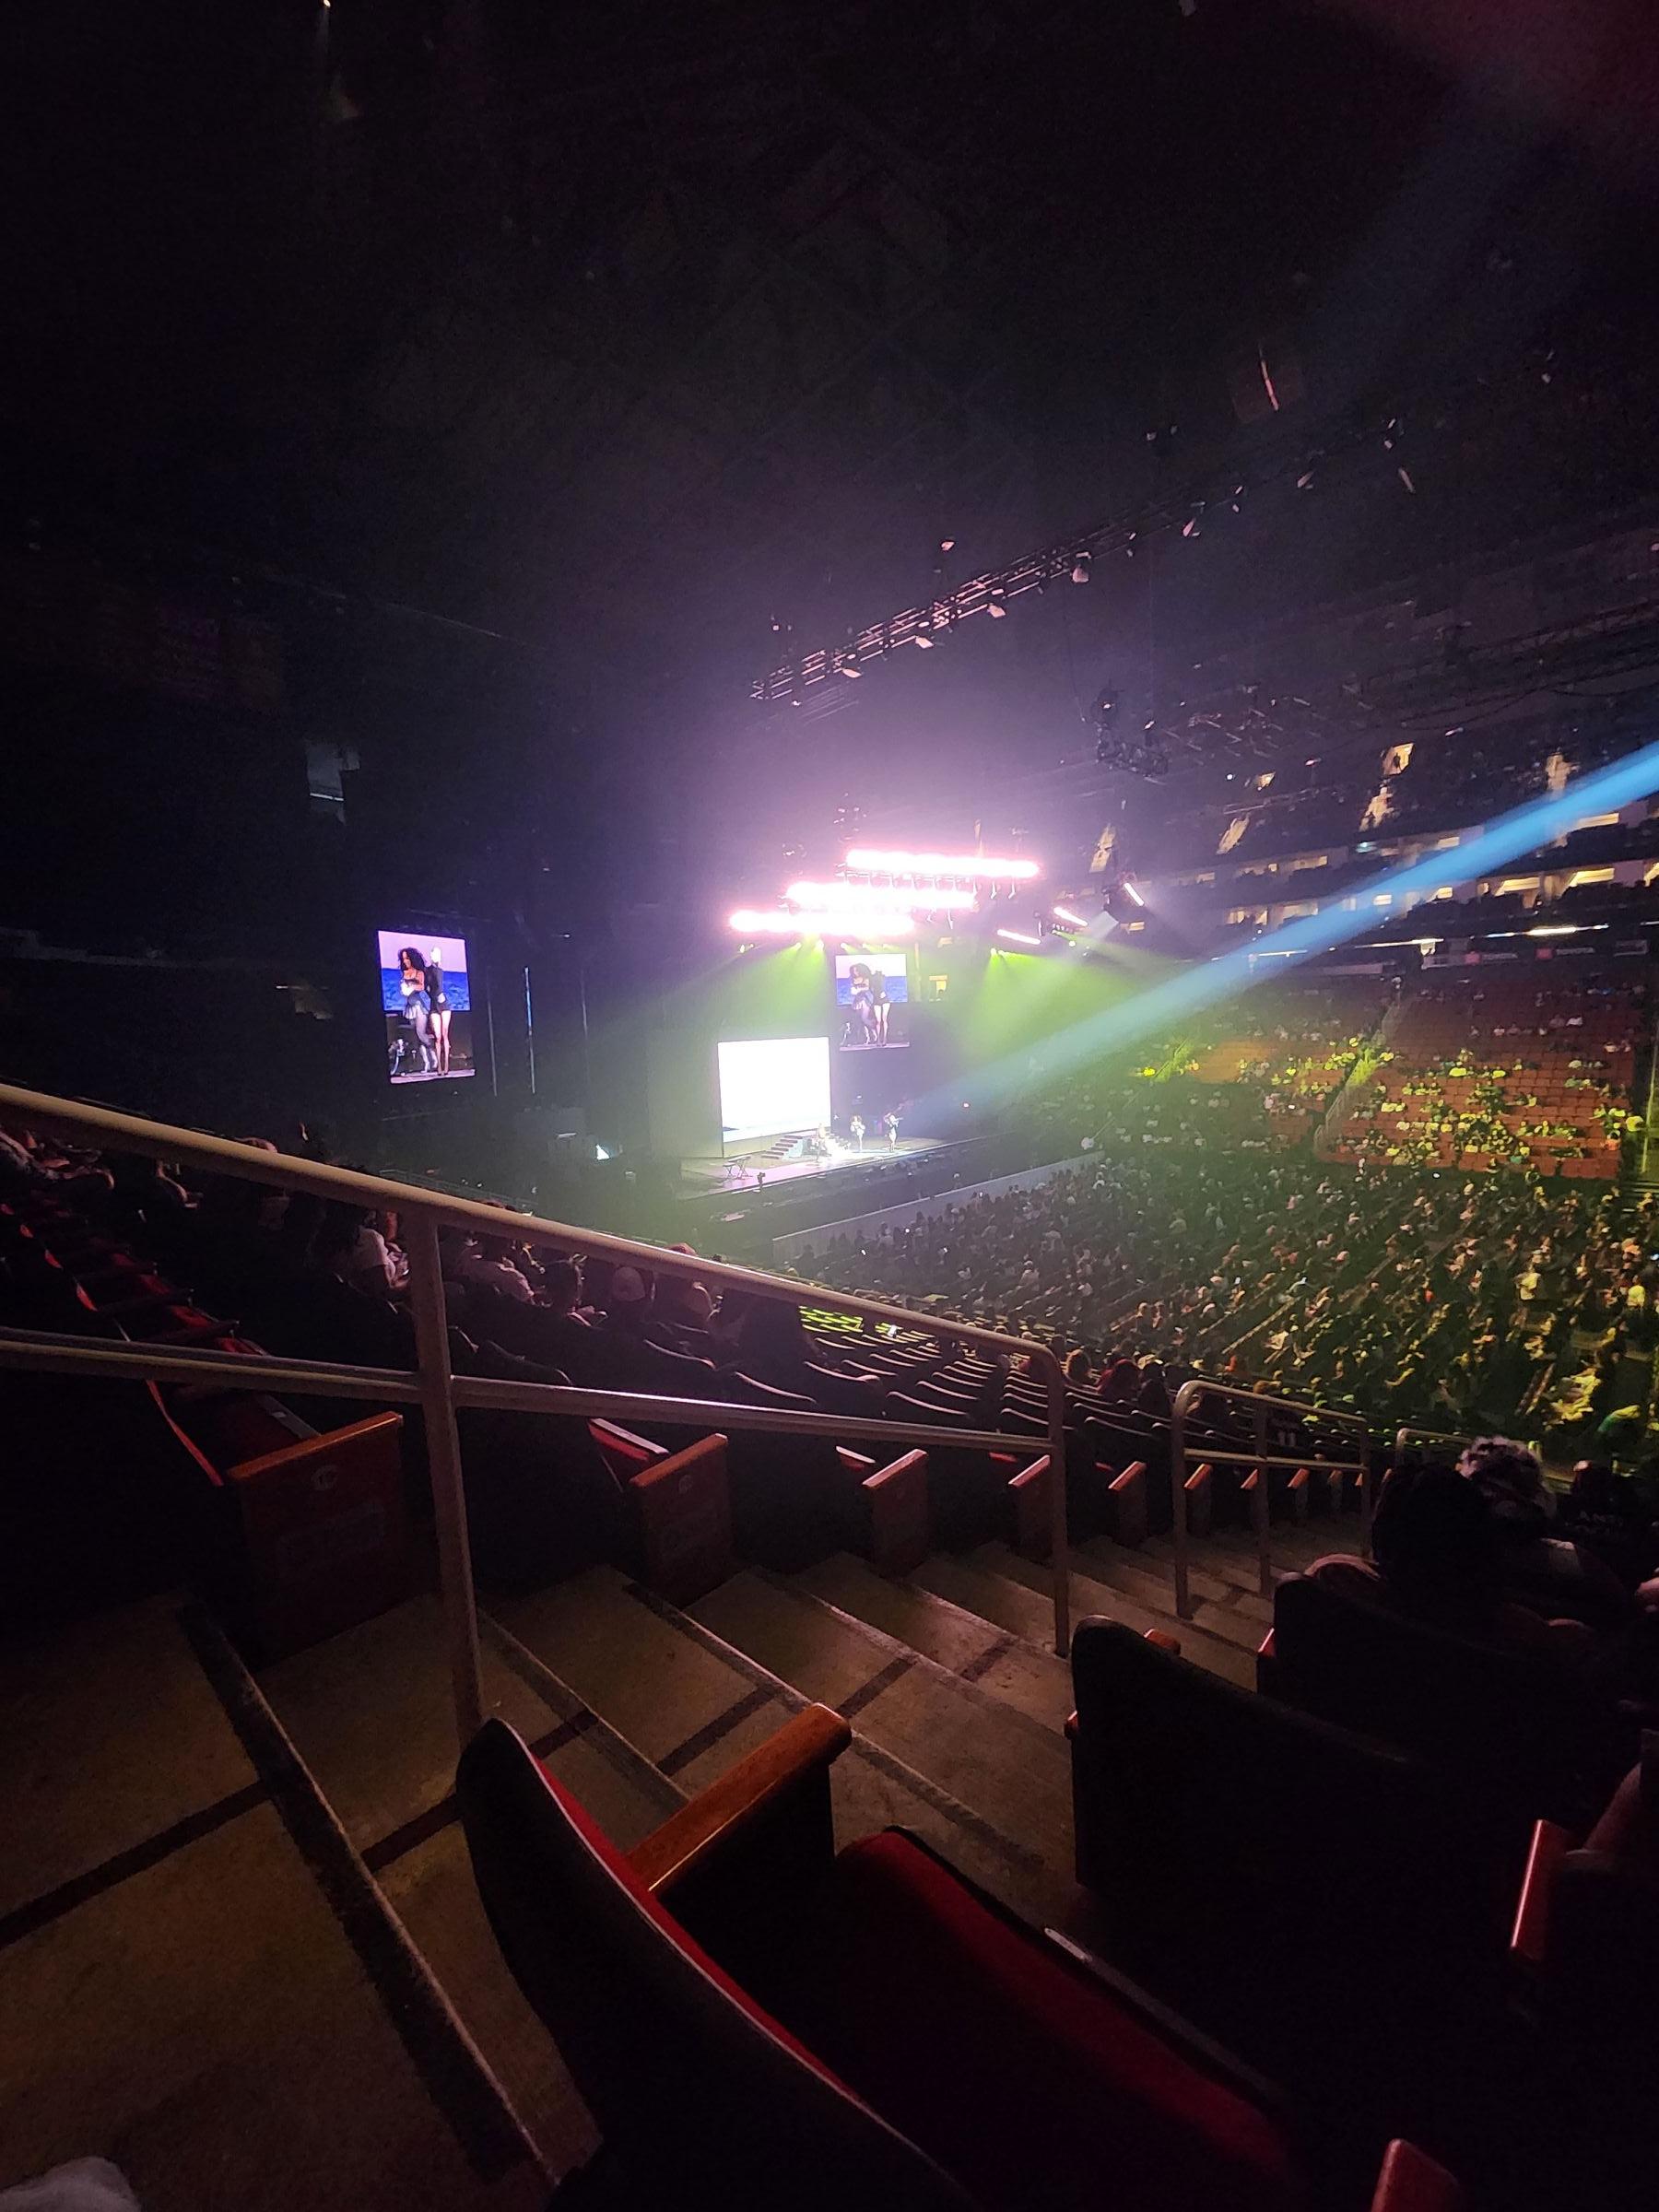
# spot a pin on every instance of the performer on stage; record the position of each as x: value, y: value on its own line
x: 889, y: 1121
x: 856, y: 1127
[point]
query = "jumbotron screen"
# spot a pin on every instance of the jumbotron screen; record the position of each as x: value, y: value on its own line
x: 426, y: 1000
x: 769, y: 1084
x: 872, y: 997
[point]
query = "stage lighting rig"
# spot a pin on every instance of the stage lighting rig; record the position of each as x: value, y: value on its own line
x: 1367, y: 441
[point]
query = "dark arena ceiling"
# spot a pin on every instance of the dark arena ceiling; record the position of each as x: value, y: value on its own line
x: 629, y: 333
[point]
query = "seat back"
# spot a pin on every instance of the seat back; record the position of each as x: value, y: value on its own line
x: 1513, y: 1726
x: 698, y: 2092
x: 1208, y: 1815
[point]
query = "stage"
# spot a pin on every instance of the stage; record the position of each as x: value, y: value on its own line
x: 786, y: 1161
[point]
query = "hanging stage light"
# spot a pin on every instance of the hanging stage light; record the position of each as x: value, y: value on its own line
x: 975, y: 866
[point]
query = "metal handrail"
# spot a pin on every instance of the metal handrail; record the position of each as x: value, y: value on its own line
x: 439, y: 1391
x: 46, y: 1352
x: 1262, y: 1404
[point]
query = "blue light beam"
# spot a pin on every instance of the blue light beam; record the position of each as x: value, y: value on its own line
x: 1521, y: 832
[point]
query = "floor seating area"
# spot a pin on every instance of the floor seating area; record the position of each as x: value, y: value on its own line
x: 1494, y: 1069
x: 1224, y: 1905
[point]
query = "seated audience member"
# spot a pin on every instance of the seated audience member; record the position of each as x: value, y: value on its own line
x: 597, y: 1273
x: 1153, y: 1394
x: 561, y: 1287
x: 488, y: 1262
x: 1079, y: 1372
x: 1605, y: 1514
x: 1552, y: 1575
x: 1120, y: 1382
x: 773, y: 1348
x: 1439, y: 1557
x: 145, y: 1196
x: 682, y: 1304
x: 27, y: 1165
x: 630, y: 1298
x: 352, y: 1243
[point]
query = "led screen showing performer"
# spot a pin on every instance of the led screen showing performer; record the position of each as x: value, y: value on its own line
x: 427, y: 1003
x: 872, y: 991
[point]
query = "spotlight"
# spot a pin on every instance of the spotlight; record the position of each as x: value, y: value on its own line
x: 1019, y: 936
x: 1132, y: 892
x: 1063, y: 913
x: 925, y: 643
x: 1081, y: 567
x: 997, y: 603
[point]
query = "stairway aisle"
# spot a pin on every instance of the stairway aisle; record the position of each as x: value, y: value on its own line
x: 957, y: 1700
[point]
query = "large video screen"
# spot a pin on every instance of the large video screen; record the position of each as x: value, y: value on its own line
x: 427, y: 1001
x: 769, y: 1084
x: 872, y: 995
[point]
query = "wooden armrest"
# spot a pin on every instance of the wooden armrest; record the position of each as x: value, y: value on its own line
x: 1071, y: 1727
x: 1549, y: 1846
x: 319, y: 1445
x: 1032, y: 1475
x: 1164, y: 1640
x: 1410, y: 2181
x: 854, y: 1463
x: 1131, y: 1474
x: 1198, y: 1477
x: 896, y: 1470
x: 808, y: 1745
x: 599, y: 1429
x: 1267, y: 1649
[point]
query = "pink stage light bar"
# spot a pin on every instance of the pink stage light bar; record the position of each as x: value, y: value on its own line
x: 780, y: 921
x: 1019, y: 936
x: 867, y: 897
x: 975, y: 866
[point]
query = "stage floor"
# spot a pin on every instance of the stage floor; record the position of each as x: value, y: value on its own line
x: 717, y: 1179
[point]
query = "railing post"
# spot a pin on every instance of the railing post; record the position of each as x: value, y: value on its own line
x: 1261, y: 1504
x: 1053, y: 1380
x: 1366, y: 1497
x: 444, y: 1464
x: 1178, y: 1505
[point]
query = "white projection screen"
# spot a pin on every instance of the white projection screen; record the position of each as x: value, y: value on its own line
x: 772, y: 1084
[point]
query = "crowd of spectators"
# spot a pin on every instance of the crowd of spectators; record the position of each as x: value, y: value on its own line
x: 1441, y: 1300
x: 1511, y: 1071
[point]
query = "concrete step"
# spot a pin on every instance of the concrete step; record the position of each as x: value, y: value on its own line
x: 1224, y: 1606
x: 1153, y: 1599
x: 1028, y: 1676
x: 1008, y: 1771
x: 697, y: 1690
x: 369, y: 1711
x: 217, y: 1995
x: 1015, y: 1593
